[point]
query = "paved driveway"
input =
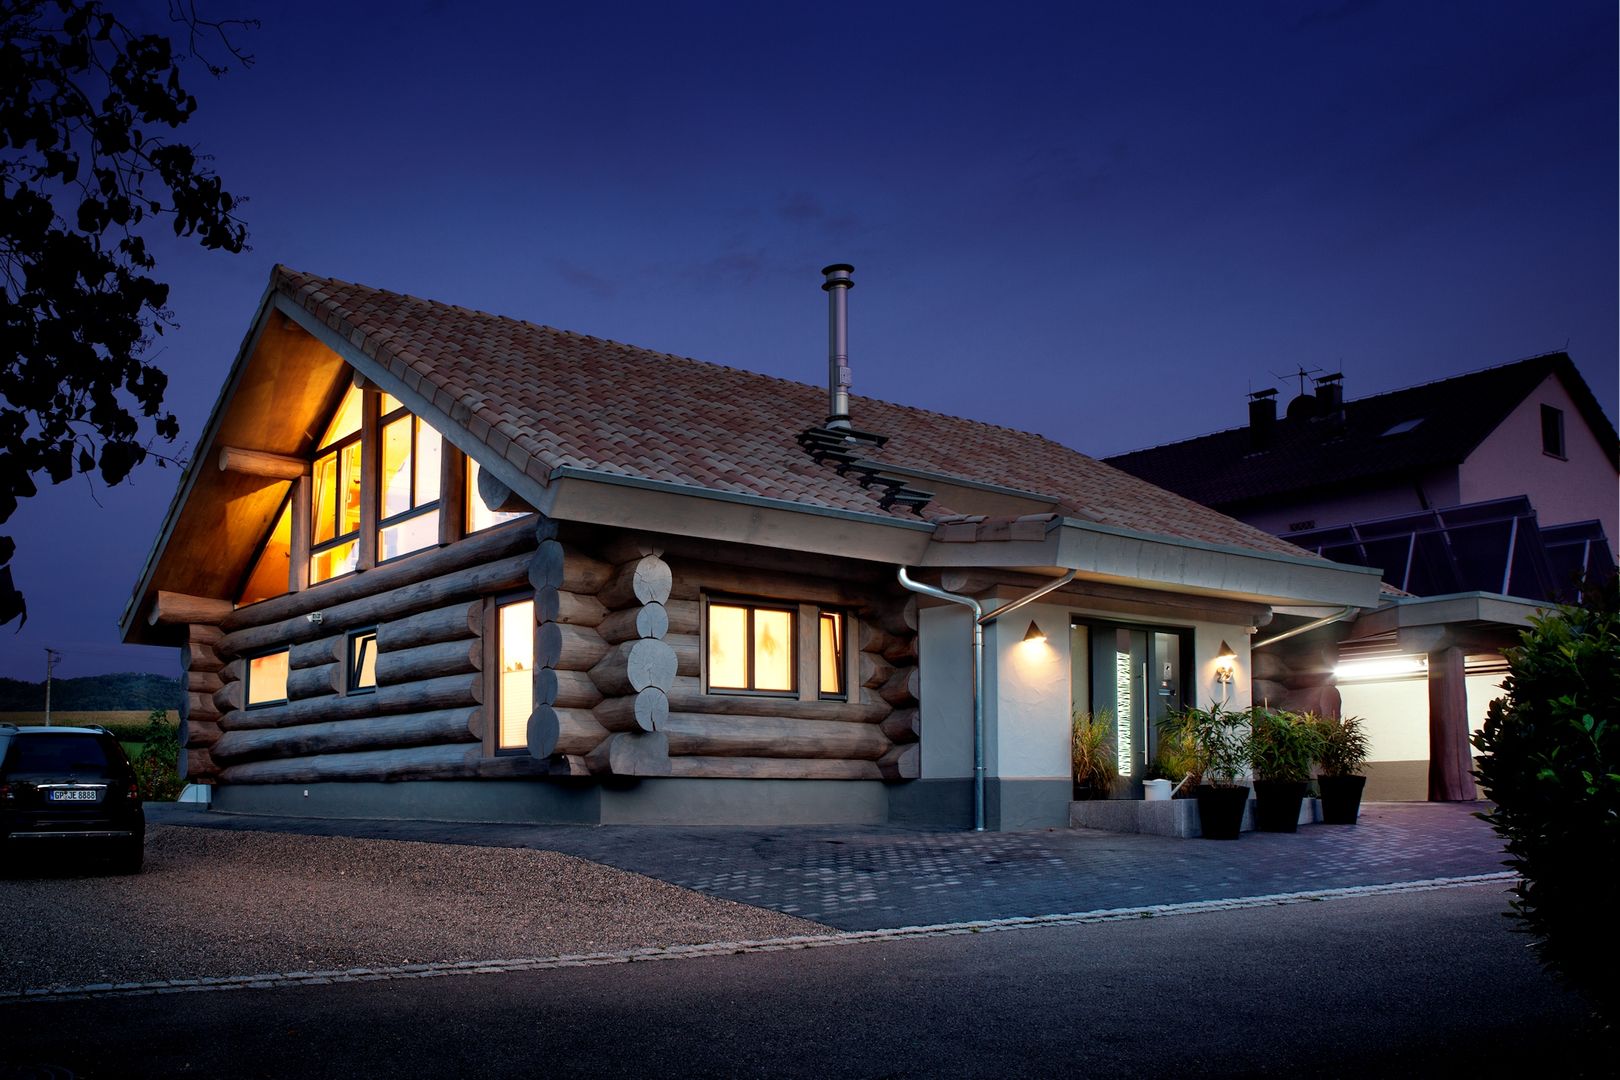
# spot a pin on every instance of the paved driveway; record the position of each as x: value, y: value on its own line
x: 871, y: 878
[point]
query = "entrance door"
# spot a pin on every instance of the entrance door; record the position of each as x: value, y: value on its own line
x: 1137, y: 675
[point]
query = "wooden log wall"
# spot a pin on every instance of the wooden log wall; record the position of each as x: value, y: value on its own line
x: 425, y: 719
x: 618, y: 674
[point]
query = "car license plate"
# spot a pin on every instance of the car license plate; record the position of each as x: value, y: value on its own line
x: 84, y: 795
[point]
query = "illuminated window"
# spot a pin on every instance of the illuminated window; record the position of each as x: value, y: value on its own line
x: 269, y: 576
x: 267, y: 679
x: 409, y: 492
x: 832, y: 654
x: 480, y: 516
x: 514, y: 630
x: 362, y: 661
x: 751, y: 648
x: 335, y: 494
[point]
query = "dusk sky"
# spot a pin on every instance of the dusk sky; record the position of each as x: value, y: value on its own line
x: 1101, y: 222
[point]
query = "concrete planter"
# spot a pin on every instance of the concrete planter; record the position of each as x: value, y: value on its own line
x: 1178, y: 817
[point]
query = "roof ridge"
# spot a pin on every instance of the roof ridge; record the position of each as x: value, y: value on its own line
x: 1521, y: 361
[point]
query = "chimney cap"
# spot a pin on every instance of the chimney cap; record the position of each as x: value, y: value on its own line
x: 1256, y: 395
x: 842, y: 272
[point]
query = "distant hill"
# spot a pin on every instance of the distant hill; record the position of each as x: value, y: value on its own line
x: 92, y: 693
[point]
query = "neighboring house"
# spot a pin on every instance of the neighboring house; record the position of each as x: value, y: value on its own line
x: 1486, y: 495
x: 433, y: 562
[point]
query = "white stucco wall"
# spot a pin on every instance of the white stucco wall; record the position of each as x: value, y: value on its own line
x: 1396, y: 712
x: 1577, y: 487
x: 944, y: 659
x: 1029, y: 687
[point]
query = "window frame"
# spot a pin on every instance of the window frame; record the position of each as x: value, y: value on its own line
x: 247, y: 679
x: 335, y: 450
x: 751, y: 605
x: 1552, y: 423
x: 471, y: 501
x: 353, y: 667
x: 845, y: 621
x: 285, y: 507
x: 415, y: 510
x: 492, y: 669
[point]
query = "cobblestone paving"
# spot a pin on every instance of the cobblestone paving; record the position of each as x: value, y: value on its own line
x: 862, y: 878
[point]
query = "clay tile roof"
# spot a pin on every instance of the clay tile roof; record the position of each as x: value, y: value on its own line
x: 535, y: 394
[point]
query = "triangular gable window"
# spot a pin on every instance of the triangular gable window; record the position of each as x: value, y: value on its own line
x: 346, y: 421
x: 269, y: 576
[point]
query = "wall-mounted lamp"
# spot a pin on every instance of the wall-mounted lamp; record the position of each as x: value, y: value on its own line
x: 1035, y: 634
x: 1225, y: 664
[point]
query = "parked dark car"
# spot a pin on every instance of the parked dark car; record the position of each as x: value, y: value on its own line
x: 69, y: 791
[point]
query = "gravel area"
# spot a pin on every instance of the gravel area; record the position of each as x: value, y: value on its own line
x: 215, y: 903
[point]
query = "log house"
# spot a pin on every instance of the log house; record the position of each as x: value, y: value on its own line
x: 428, y: 560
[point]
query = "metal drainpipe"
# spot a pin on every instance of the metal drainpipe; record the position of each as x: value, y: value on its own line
x: 1298, y: 630
x: 980, y: 619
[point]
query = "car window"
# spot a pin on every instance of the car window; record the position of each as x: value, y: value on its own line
x: 57, y: 754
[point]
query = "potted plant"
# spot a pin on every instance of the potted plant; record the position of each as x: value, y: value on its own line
x: 1343, y: 756
x: 1177, y: 760
x: 1217, y: 737
x: 1282, y: 748
x: 1091, y: 753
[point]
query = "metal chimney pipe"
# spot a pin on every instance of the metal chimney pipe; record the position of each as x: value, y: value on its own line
x: 837, y: 287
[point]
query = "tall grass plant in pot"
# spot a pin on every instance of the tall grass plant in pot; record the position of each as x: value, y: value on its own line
x: 1091, y: 754
x: 1282, y: 748
x: 1339, y: 765
x: 1218, y: 738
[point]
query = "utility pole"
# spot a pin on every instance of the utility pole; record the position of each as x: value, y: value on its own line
x: 51, y: 659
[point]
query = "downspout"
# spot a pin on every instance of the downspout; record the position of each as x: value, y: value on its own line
x: 980, y: 619
x: 1298, y: 630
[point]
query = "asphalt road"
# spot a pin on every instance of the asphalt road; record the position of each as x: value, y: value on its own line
x: 1424, y: 983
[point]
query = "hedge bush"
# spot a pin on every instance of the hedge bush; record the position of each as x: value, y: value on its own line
x: 1550, y: 760
x: 158, y: 768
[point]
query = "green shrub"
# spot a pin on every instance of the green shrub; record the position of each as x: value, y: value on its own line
x: 1091, y: 750
x: 1282, y: 745
x: 158, y: 767
x: 1344, y: 744
x: 1550, y: 760
x: 1177, y: 757
x: 1218, y: 738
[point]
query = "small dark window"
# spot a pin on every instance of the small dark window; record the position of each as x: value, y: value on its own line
x: 362, y: 661
x: 1552, y: 431
x: 1301, y: 526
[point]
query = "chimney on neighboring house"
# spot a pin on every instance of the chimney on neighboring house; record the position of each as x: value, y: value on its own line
x: 1330, y: 397
x: 837, y: 287
x: 1262, y: 418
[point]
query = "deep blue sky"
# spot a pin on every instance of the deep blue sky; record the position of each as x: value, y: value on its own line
x: 1104, y: 223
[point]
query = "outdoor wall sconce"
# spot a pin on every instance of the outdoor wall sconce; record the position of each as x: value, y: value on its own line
x: 1035, y: 634
x: 1225, y: 664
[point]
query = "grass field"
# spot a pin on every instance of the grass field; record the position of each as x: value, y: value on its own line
x: 129, y: 725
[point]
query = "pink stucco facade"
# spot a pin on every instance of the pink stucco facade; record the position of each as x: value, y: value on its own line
x: 1434, y: 489
x: 1577, y: 487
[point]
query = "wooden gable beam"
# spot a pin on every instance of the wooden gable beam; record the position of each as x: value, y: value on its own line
x: 261, y: 463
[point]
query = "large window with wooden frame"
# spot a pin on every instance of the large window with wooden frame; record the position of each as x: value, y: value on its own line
x: 335, y: 493
x: 777, y: 649
x: 408, y: 514
x: 514, y: 689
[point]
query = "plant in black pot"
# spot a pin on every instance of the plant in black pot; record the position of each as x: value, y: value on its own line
x: 1343, y: 756
x: 1216, y: 735
x: 1282, y: 748
x: 1091, y: 753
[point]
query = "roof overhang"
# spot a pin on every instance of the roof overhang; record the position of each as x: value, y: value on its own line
x: 1108, y: 553
x: 1423, y: 624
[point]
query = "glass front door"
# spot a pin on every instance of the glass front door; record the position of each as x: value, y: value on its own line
x: 1137, y: 675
